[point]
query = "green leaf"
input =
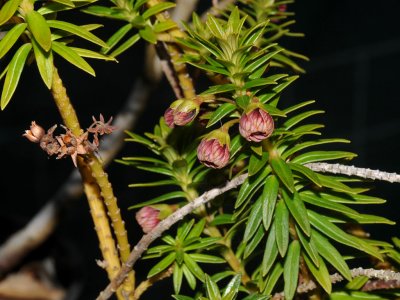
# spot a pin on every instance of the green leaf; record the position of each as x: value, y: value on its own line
x: 321, y: 274
x: 343, y: 198
x: 193, y: 267
x: 269, y: 196
x: 65, y: 2
x: 208, y: 259
x: 44, y: 62
x: 159, y: 199
x: 107, y: 12
x: 212, y: 289
x: 298, y: 106
x: 92, y: 54
x: 253, y: 221
x: 39, y: 28
x: 8, y: 10
x: 148, y: 34
x: 215, y: 27
x: 273, y: 278
x: 250, y: 186
x: 77, y: 30
x: 357, y: 283
x: 159, y: 7
x: 197, y: 229
x: 306, y: 172
x: 260, y: 61
x: 210, y: 68
x: 283, y: 171
x: 329, y: 252
x: 331, y: 182
x: 297, y: 210
x: 218, y: 89
x: 126, y: 45
x: 223, y: 219
x: 11, y: 37
x: 184, y: 230
x: 189, y: 277
x: 224, y: 110
x: 177, y: 278
x: 71, y: 56
x: 300, y: 117
x: 116, y: 37
x: 356, y: 295
x: 258, y: 82
x: 270, y: 252
x: 334, y: 232
x: 256, y: 163
x: 282, y: 227
x: 14, y: 71
x: 290, y: 151
x: 309, y: 245
x: 317, y: 156
x: 162, y: 265
x: 291, y: 269
x: 164, y: 26
x: 272, y: 110
x: 232, y: 288
x: 252, y: 245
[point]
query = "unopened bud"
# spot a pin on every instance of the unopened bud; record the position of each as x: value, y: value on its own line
x: 256, y: 125
x: 213, y: 150
x: 181, y: 112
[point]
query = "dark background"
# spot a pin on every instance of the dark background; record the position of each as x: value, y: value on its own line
x: 354, y: 47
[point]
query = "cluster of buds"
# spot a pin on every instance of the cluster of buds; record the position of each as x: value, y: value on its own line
x: 255, y: 125
x: 182, y: 112
x: 148, y: 217
x: 68, y: 144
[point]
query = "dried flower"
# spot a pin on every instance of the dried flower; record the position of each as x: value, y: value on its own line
x: 256, y: 125
x: 35, y: 133
x: 48, y: 143
x: 181, y: 112
x: 101, y: 127
x: 213, y: 150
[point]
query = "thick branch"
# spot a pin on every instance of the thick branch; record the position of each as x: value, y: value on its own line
x: 354, y: 171
x: 164, y: 225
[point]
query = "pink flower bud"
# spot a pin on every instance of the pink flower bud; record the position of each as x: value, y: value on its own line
x: 181, y: 112
x: 213, y: 150
x: 35, y: 133
x: 148, y: 218
x: 256, y: 125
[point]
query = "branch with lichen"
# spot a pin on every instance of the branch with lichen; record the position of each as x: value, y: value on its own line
x: 99, y: 176
x: 164, y: 225
x: 354, y: 171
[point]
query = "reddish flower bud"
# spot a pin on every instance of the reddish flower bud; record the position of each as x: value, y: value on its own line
x: 147, y: 217
x: 213, y: 150
x: 35, y: 133
x: 256, y: 125
x: 181, y: 112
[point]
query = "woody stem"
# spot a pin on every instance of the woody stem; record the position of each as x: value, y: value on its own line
x: 96, y: 176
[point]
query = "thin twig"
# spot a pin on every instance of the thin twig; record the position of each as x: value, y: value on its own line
x: 145, y: 284
x: 164, y: 225
x: 354, y: 171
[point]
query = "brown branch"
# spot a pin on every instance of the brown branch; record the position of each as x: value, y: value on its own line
x: 354, y: 171
x: 164, y: 225
x: 144, y: 285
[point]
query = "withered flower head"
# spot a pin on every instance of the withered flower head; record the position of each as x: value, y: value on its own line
x: 35, y: 133
x: 101, y: 127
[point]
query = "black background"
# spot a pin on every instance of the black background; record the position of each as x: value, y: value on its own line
x: 354, y: 47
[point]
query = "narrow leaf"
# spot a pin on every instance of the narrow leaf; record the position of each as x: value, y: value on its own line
x: 309, y: 245
x: 282, y: 227
x: 159, y: 199
x: 92, y: 54
x: 162, y: 265
x: 270, y: 252
x: 224, y: 110
x: 297, y: 210
x: 256, y: 163
x: 318, y: 156
x: 269, y: 196
x: 39, y: 28
x: 44, y: 62
x: 11, y: 37
x: 283, y: 171
x: 253, y: 221
x: 76, y: 30
x: 71, y: 56
x: 291, y: 269
x: 13, y: 75
x: 126, y: 45
x: 116, y: 37
x: 8, y: 10
x: 159, y: 7
x: 177, y: 278
x: 321, y: 274
x: 212, y: 289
